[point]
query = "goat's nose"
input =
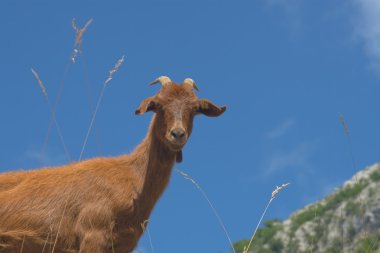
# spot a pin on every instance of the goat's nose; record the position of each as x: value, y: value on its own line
x: 178, y: 133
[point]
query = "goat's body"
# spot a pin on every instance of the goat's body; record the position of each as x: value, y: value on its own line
x: 98, y: 205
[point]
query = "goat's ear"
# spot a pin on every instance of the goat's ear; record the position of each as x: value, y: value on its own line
x: 146, y: 105
x: 209, y: 109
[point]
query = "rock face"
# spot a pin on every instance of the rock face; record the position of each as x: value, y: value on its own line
x: 348, y: 220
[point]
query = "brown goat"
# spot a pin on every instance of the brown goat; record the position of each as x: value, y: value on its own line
x: 102, y: 204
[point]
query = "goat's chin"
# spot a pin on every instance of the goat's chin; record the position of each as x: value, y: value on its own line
x: 175, y: 147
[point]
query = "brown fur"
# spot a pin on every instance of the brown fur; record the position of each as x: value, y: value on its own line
x: 99, y: 205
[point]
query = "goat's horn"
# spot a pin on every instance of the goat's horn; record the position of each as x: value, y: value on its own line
x: 191, y: 82
x: 164, y: 80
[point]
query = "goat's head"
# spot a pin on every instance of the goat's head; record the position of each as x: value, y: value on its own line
x: 175, y: 106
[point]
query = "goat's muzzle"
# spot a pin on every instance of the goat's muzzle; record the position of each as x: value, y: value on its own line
x: 177, y: 137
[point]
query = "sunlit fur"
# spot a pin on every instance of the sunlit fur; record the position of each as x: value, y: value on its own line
x: 102, y: 204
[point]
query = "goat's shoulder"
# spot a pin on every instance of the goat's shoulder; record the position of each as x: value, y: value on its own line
x: 11, y: 179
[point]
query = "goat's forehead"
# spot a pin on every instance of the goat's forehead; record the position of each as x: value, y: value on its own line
x: 177, y: 91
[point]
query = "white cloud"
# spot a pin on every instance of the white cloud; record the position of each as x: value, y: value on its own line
x: 297, y: 159
x: 281, y: 130
x: 367, y: 28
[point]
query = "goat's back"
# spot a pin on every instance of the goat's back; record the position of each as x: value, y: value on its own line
x: 35, y: 205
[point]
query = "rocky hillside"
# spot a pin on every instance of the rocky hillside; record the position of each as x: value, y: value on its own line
x: 348, y: 220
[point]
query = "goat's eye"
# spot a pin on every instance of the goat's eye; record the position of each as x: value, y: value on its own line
x: 151, y: 106
x: 154, y: 106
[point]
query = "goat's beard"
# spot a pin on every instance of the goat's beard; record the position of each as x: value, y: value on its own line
x: 178, y: 156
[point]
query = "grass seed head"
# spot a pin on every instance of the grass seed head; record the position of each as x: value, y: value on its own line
x: 39, y: 82
x: 114, y: 69
x: 343, y: 123
x: 278, y: 189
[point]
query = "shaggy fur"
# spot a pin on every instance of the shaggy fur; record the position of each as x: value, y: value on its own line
x: 103, y: 204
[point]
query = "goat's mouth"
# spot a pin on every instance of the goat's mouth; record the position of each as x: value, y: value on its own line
x: 176, y: 144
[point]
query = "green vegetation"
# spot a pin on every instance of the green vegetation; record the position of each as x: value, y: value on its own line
x: 345, y: 194
x: 239, y: 245
x: 371, y: 192
x: 319, y: 231
x: 351, y: 232
x: 264, y: 241
x: 352, y: 208
x: 304, y: 216
x: 336, y: 247
x: 321, y: 215
x: 332, y: 202
x: 369, y: 244
x: 292, y: 246
x: 375, y: 176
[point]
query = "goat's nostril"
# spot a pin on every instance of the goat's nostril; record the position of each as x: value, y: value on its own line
x: 178, y: 133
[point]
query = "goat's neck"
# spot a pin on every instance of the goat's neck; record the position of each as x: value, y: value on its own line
x: 155, y: 162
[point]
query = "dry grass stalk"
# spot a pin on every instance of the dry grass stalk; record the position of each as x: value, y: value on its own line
x: 343, y: 123
x: 59, y: 226
x: 186, y: 176
x: 22, y: 244
x: 46, y: 241
x: 278, y: 189
x: 150, y: 240
x: 112, y: 246
x: 62, y: 140
x: 346, y: 131
x: 79, y: 32
x: 53, y: 110
x: 144, y: 225
x: 111, y: 73
x: 74, y: 55
x: 274, y: 194
x: 40, y: 83
x: 78, y: 38
x: 114, y: 69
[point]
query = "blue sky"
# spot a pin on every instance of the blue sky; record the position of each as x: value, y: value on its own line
x: 285, y: 69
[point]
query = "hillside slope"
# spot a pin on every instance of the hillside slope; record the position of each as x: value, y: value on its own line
x: 348, y: 220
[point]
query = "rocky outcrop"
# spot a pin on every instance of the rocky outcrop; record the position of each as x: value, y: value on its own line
x: 348, y: 220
